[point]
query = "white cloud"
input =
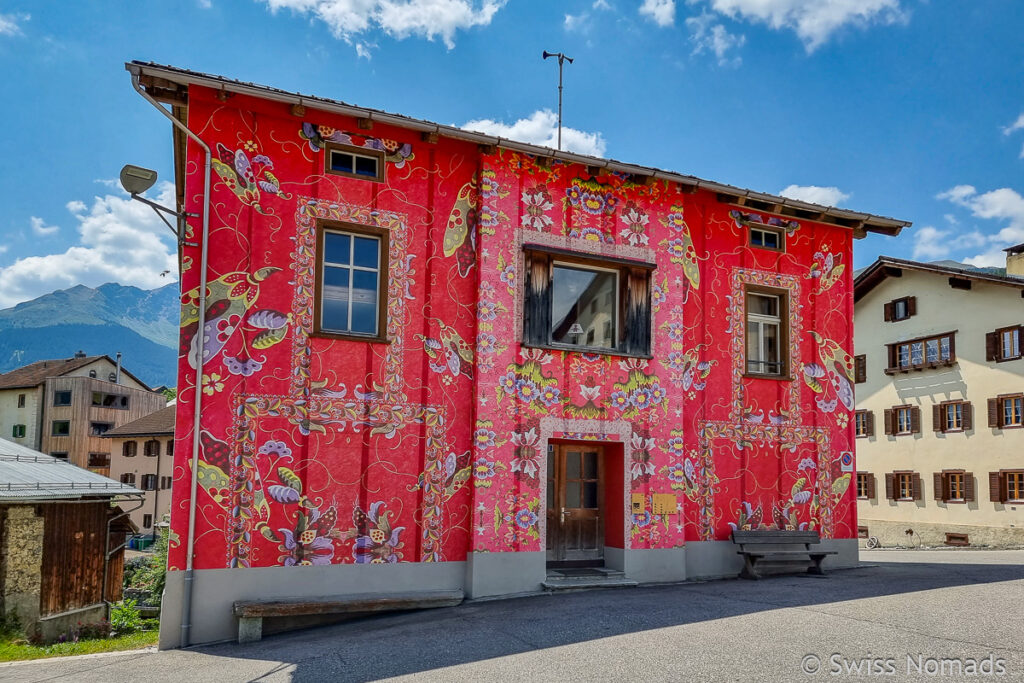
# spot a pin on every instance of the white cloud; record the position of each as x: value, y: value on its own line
x: 661, y: 12
x: 10, y: 24
x: 3, y: 248
x: 541, y: 128
x: 709, y: 36
x: 1005, y: 205
x: 398, y: 18
x: 576, y: 22
x: 601, y: 4
x: 826, y: 196
x: 363, y: 50
x: 120, y: 240
x: 814, y: 21
x: 39, y: 227
x: 1015, y: 126
x: 931, y: 243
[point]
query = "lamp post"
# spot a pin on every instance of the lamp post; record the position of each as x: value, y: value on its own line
x: 135, y: 180
x: 561, y: 60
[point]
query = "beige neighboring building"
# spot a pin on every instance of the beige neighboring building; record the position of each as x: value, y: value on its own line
x: 63, y: 407
x: 940, y: 403
x: 142, y: 455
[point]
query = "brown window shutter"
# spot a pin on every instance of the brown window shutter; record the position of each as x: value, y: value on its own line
x: 996, y: 488
x: 993, y: 412
x: 887, y: 312
x: 860, y: 369
x: 938, y: 483
x: 637, y: 328
x: 871, y: 486
x: 869, y: 420
x: 969, y: 487
x: 887, y: 418
x: 991, y: 346
x: 890, y: 486
x: 915, y: 420
x: 911, y: 306
x: 917, y: 486
x: 938, y: 423
x: 968, y: 417
x: 537, y: 300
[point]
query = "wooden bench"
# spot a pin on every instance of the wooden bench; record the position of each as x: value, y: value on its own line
x: 251, y: 613
x: 775, y: 545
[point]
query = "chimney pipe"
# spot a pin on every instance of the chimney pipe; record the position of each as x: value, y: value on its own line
x: 117, y: 375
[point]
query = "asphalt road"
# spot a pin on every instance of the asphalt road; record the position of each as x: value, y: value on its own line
x: 961, y: 605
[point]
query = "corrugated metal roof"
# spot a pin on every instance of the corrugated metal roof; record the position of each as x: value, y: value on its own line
x: 28, y: 475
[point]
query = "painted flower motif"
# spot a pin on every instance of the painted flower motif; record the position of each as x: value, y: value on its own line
x: 486, y: 290
x: 484, y: 365
x: 801, y: 497
x: 658, y: 295
x: 508, y: 275
x: 676, y: 330
x: 483, y: 468
x: 676, y: 360
x: 657, y: 393
x: 526, y: 390
x: 278, y: 448
x: 486, y: 310
x: 620, y: 400
x: 249, y: 146
x: 675, y: 446
x: 590, y: 393
x: 508, y: 382
x: 526, y: 458
x: 590, y: 234
x: 642, y: 520
x: 484, y: 438
x: 308, y: 549
x: 635, y: 221
x: 806, y: 464
x: 243, y: 366
x: 226, y: 327
x: 641, y: 466
x: 486, y: 343
x: 676, y: 248
x: 675, y: 220
x: 535, y: 203
x: 676, y: 473
x: 379, y: 542
x: 593, y: 203
x: 842, y: 419
x: 689, y: 470
x: 489, y: 217
x: 489, y: 187
x: 550, y: 395
x: 525, y: 518
x: 212, y: 384
x: 641, y: 398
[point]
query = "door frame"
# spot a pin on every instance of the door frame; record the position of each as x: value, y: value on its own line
x: 554, y: 528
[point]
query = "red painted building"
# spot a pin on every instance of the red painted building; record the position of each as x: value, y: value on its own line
x: 437, y: 359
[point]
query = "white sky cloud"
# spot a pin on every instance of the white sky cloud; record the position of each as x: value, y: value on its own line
x: 541, y: 128
x: 931, y: 243
x: 40, y: 228
x: 1015, y: 126
x: 398, y: 18
x: 710, y: 36
x: 10, y: 24
x: 814, y: 21
x: 119, y: 240
x: 827, y: 196
x: 1004, y: 205
x: 661, y: 12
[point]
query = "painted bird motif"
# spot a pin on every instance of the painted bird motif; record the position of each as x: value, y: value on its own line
x: 827, y: 269
x: 456, y: 472
x: 448, y: 352
x: 228, y: 299
x: 460, y: 235
x: 832, y: 355
x: 247, y: 177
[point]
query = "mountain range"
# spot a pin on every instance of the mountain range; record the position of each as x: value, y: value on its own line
x: 141, y: 324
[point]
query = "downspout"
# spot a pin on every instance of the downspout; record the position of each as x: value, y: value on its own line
x: 186, y: 605
x: 110, y: 552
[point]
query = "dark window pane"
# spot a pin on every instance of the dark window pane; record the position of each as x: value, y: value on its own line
x: 590, y: 494
x: 364, y: 302
x: 572, y: 494
x: 573, y: 315
x: 335, y: 315
x: 366, y: 249
x: 763, y: 304
x: 572, y: 465
x: 336, y: 247
x: 590, y: 465
x: 755, y: 238
x: 771, y: 240
x: 334, y: 299
x: 366, y: 166
x: 343, y: 162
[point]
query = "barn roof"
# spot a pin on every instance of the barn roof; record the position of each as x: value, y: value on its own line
x: 27, y: 476
x: 170, y: 83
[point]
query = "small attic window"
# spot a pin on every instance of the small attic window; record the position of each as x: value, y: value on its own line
x: 355, y: 162
x: 766, y: 237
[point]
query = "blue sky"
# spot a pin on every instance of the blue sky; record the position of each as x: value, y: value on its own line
x: 906, y: 108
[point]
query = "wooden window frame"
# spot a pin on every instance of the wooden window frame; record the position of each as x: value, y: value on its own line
x: 149, y: 482
x: 130, y: 449
x: 128, y: 478
x: 940, y: 417
x: 94, y: 432
x: 894, y: 366
x: 784, y: 332
x: 761, y: 227
x: 21, y: 400
x: 897, y: 411
x: 18, y: 431
x: 1001, y: 411
x: 996, y: 354
x: 860, y: 369
x: 53, y: 427
x: 870, y: 492
x: 914, y: 479
x: 942, y: 482
x: 151, y: 445
x: 104, y: 459
x: 633, y: 310
x: 148, y: 517
x: 383, y: 277
x: 869, y: 424
x: 889, y: 309
x: 374, y: 154
x: 61, y: 393
x: 1005, y: 486
x: 169, y: 449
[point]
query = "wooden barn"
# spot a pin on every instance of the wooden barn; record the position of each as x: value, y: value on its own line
x: 61, y: 541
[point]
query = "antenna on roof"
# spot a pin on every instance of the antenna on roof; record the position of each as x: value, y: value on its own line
x: 561, y: 59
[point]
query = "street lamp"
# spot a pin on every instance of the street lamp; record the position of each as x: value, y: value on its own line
x: 135, y: 180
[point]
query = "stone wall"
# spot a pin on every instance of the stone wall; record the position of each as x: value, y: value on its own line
x: 21, y: 558
x: 893, y: 534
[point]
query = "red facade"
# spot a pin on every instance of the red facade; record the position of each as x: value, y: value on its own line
x: 434, y: 444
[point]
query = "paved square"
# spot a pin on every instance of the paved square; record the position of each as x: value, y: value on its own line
x: 961, y: 605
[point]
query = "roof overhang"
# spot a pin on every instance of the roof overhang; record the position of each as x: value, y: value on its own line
x: 886, y: 266
x: 170, y: 84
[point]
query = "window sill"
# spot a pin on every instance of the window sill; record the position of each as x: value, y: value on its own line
x: 587, y: 349
x: 860, y: 436
x: 340, y: 336
x: 905, y: 500
x: 955, y: 501
x: 1007, y: 360
x: 1011, y: 426
x: 918, y: 368
x: 758, y: 375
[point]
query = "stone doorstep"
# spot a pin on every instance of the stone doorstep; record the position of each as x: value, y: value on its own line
x: 586, y: 579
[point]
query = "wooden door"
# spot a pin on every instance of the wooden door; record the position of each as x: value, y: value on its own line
x: 575, y: 519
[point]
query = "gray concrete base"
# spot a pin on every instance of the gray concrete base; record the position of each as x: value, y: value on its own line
x: 250, y: 629
x: 491, y: 574
x: 215, y: 590
x: 52, y: 626
x: 719, y: 559
x: 648, y: 566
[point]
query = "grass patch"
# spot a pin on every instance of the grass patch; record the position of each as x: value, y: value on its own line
x: 17, y: 649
